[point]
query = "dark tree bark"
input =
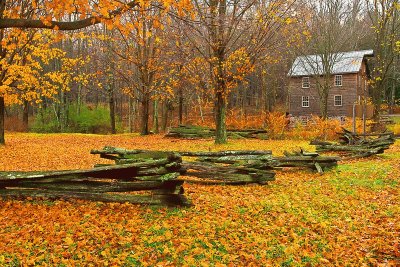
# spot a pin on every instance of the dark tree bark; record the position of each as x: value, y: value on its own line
x: 180, y: 107
x: 220, y: 119
x: 218, y: 31
x: 25, y: 115
x: 131, y: 114
x: 2, y: 110
x: 164, y: 120
x: 111, y: 102
x: 145, y: 113
x: 155, y: 117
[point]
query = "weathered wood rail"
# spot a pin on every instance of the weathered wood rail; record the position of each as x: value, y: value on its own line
x: 199, y: 132
x: 155, y: 173
x: 302, y: 159
x: 357, y: 146
x: 230, y: 167
x: 259, y: 165
x: 233, y: 174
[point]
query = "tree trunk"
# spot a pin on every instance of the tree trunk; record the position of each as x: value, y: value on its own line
x: 111, y: 102
x: 145, y: 114
x: 219, y: 52
x: 155, y: 117
x: 62, y: 112
x: 165, y: 112
x: 2, y: 117
x: 377, y: 89
x: 180, y: 108
x: 25, y: 115
x: 220, y: 119
x: 324, y: 92
x: 79, y: 99
x: 132, y: 114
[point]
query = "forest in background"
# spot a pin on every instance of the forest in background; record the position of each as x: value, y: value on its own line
x: 105, y: 66
x: 160, y: 64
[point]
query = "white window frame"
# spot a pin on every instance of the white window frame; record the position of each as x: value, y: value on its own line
x: 338, y: 80
x: 305, y: 101
x: 341, y: 100
x: 305, y: 82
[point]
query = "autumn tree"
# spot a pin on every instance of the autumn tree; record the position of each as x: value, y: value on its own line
x: 231, y: 36
x: 139, y: 48
x: 384, y: 17
x: 23, y: 78
x: 330, y: 28
x: 24, y: 14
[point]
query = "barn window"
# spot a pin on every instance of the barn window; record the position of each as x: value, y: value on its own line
x: 338, y: 100
x: 305, y: 82
x: 305, y: 101
x: 338, y: 80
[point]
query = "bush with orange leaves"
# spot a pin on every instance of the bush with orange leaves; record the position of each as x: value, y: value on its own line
x: 277, y: 124
x: 324, y: 129
x: 237, y: 119
x: 396, y: 129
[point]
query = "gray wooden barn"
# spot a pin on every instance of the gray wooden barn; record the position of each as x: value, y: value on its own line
x: 348, y: 78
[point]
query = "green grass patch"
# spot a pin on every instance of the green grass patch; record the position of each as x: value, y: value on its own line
x: 363, y: 174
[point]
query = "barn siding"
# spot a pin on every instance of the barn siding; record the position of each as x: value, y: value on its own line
x: 353, y: 85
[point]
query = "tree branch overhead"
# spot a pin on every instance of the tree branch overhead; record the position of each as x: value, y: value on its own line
x: 61, y: 25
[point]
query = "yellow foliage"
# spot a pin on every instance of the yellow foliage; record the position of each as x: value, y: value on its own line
x: 348, y: 216
x: 277, y: 123
x: 23, y: 65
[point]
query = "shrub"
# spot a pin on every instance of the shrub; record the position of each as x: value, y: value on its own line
x: 325, y: 129
x: 88, y: 120
x: 14, y: 124
x: 330, y: 129
x: 45, y: 122
x: 396, y: 129
x: 276, y: 125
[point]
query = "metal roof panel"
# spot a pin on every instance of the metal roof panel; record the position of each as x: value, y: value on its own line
x: 346, y: 62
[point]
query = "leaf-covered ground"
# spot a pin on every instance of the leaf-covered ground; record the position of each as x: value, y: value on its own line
x: 349, y: 216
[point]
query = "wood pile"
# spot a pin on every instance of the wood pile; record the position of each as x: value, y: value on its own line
x: 156, y: 173
x: 303, y: 159
x: 357, y: 146
x: 385, y: 119
x: 230, y: 167
x: 199, y: 132
x: 242, y: 167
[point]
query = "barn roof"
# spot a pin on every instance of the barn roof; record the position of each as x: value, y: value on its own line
x: 345, y: 62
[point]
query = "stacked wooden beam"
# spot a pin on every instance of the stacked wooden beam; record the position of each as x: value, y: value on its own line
x: 231, y: 167
x: 199, y: 132
x: 156, y: 173
x: 228, y: 167
x: 190, y: 132
x: 357, y: 146
x: 302, y: 159
x: 241, y: 167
